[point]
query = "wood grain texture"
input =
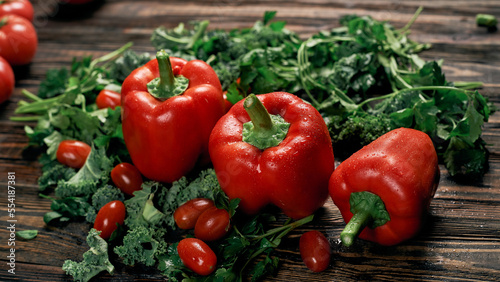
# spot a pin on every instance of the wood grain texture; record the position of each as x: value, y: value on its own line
x: 460, y: 242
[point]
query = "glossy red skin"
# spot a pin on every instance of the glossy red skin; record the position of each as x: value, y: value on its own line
x: 227, y: 104
x: 73, y: 153
x: 7, y: 80
x: 315, y: 250
x: 188, y: 213
x: 108, y: 99
x: 18, y: 40
x: 166, y: 139
x: 107, y: 218
x: 293, y: 175
x: 197, y: 256
x: 127, y: 178
x: 22, y: 8
x: 401, y: 167
x: 213, y: 224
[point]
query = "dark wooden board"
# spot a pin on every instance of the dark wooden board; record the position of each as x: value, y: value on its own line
x: 461, y: 241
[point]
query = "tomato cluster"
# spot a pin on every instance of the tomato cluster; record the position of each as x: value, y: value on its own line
x: 125, y: 176
x: 210, y: 224
x: 18, y: 41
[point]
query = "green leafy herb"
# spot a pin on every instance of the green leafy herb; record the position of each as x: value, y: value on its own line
x: 27, y: 234
x: 142, y: 245
x: 95, y: 260
x: 365, y: 77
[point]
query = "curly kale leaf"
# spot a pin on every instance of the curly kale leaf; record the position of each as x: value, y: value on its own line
x: 128, y: 62
x: 52, y: 172
x: 100, y: 198
x: 86, y: 181
x: 95, y: 260
x: 142, y: 245
x: 351, y: 133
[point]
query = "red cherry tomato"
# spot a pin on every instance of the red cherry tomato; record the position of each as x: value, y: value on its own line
x: 73, y: 153
x: 108, y: 99
x: 127, y: 178
x: 315, y: 250
x: 22, y: 8
x: 108, y: 216
x: 197, y: 256
x: 18, y: 40
x: 7, y: 80
x: 213, y: 224
x: 188, y: 213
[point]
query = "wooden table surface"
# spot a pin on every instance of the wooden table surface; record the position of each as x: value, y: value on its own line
x: 461, y: 241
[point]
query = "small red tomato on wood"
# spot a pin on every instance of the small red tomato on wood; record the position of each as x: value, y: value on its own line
x: 22, y: 8
x: 108, y: 216
x: 108, y: 99
x: 73, y: 153
x: 213, y: 224
x: 127, y: 178
x: 7, y: 80
x: 18, y: 40
x: 197, y: 256
x: 187, y: 214
x: 315, y: 250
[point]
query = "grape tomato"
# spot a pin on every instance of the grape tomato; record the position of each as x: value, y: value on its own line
x: 187, y: 214
x: 213, y: 224
x: 197, y: 256
x: 315, y: 250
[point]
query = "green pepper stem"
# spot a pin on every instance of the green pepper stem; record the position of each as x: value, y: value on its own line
x: 167, y: 85
x: 258, y: 114
x: 264, y: 130
x: 357, y: 223
x: 167, y: 78
x: 369, y: 210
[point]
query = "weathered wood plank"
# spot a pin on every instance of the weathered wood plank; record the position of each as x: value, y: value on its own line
x: 461, y: 241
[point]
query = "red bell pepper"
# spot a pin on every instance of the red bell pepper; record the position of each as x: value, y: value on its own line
x: 385, y: 189
x: 273, y: 149
x: 169, y: 109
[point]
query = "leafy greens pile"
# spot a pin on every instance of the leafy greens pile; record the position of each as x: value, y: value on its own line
x: 364, y: 77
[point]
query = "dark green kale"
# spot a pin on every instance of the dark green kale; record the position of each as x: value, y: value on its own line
x: 100, y: 198
x: 129, y: 61
x: 142, y: 245
x: 94, y: 173
x: 351, y: 133
x: 95, y: 260
x: 52, y: 172
x: 54, y: 83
